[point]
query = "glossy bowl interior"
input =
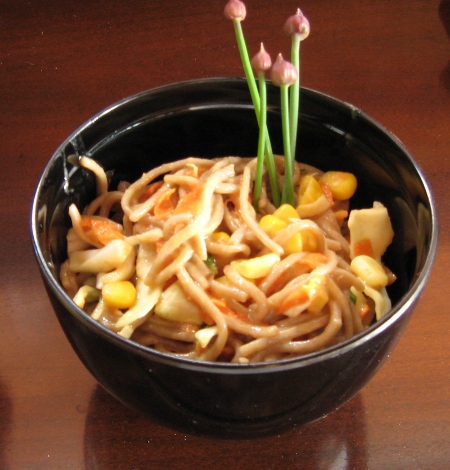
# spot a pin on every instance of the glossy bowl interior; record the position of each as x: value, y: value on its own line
x: 210, y: 118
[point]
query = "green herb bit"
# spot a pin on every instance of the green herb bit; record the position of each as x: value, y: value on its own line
x: 284, y: 74
x: 212, y: 264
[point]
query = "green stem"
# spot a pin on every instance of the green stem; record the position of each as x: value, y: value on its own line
x: 287, y: 196
x: 272, y: 171
x: 295, y: 94
x: 242, y: 46
x: 270, y: 162
x: 261, y: 140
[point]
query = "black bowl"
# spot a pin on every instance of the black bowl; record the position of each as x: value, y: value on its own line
x: 211, y: 118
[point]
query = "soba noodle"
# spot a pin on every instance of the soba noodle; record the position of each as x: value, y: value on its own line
x: 180, y: 261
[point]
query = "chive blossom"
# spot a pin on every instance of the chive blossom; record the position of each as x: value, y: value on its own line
x: 297, y: 25
x: 235, y: 10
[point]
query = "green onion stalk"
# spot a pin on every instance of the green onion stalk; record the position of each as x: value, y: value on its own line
x: 261, y: 63
x: 297, y: 27
x: 284, y: 74
x: 235, y: 11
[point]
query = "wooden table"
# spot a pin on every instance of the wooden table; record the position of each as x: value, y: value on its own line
x: 61, y: 62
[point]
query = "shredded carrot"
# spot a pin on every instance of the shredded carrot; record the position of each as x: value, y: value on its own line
x: 364, y: 310
x: 165, y: 205
x: 341, y: 214
x: 366, y: 313
x: 149, y: 191
x: 363, y: 247
x: 190, y: 203
x: 295, y: 298
x: 327, y: 192
x: 224, y: 308
x: 308, y: 263
x: 100, y: 231
x: 312, y: 260
x: 221, y: 305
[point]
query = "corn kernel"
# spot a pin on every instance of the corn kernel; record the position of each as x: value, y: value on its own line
x: 309, y: 190
x: 286, y: 212
x: 220, y: 237
x: 121, y: 294
x: 369, y: 271
x: 272, y: 224
x: 255, y: 268
x: 294, y: 244
x: 317, y: 293
x: 342, y: 184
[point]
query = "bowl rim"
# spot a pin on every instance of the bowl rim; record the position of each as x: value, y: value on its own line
x: 399, y: 309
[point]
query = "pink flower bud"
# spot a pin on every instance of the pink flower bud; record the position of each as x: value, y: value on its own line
x: 261, y: 62
x: 297, y: 24
x: 283, y: 72
x: 235, y: 10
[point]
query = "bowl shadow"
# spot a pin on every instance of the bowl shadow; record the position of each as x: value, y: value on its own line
x: 116, y: 435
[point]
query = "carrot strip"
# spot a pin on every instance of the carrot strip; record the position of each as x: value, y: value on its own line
x: 224, y: 308
x: 327, y: 192
x: 341, y: 214
x: 190, y: 203
x: 364, y: 310
x: 149, y: 191
x: 363, y: 247
x: 100, y: 231
x: 312, y: 260
x: 295, y: 298
x: 165, y: 205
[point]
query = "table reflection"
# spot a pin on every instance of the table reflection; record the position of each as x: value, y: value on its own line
x: 113, y: 433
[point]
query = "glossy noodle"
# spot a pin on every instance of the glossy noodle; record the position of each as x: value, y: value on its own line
x: 181, y: 261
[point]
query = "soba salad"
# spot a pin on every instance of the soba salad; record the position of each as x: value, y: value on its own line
x: 233, y: 259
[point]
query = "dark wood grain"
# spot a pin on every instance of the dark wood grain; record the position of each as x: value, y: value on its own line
x: 61, y: 62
